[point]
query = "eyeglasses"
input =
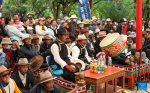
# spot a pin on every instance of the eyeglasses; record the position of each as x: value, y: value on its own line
x: 4, y: 75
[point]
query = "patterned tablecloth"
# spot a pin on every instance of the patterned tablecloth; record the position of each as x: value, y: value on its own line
x: 133, y: 72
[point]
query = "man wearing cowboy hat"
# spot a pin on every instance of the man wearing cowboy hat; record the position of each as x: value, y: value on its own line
x: 59, y: 56
x: 35, y: 42
x: 46, y: 43
x: 109, y: 26
x: 46, y: 84
x: 130, y: 41
x: 103, y: 23
x: 7, y: 85
x: 22, y: 76
x: 79, y: 51
x: 100, y: 37
x: 73, y: 27
x: 120, y: 27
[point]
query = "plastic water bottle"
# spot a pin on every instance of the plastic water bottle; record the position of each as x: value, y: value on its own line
x: 109, y: 62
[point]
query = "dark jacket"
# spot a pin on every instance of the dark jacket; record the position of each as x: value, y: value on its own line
x: 145, y: 46
x: 15, y: 55
x: 10, y: 57
x: 119, y: 29
x: 129, y: 28
x: 29, y: 81
x: 108, y: 28
x: 27, y: 52
x: 2, y: 31
x: 97, y: 47
x: 37, y: 89
x: 44, y: 48
x: 120, y: 59
x: 72, y: 31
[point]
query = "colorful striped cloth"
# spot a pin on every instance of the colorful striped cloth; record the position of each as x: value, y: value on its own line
x: 133, y: 72
x: 65, y: 87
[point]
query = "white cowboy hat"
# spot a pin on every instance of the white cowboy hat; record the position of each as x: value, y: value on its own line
x: 26, y: 36
x: 81, y: 37
x: 129, y: 36
x: 29, y: 28
x: 79, y: 22
x: 97, y: 30
x: 6, y: 41
x: 29, y: 13
x: 124, y: 19
x: 93, y: 18
x: 108, y: 19
x: 22, y: 61
x: 73, y: 16
x: 46, y: 76
x: 80, y: 64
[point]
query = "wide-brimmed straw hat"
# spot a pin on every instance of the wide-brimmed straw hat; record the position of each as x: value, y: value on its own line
x: 26, y: 36
x: 3, y: 69
x: 108, y: 19
x: 79, y: 22
x: 81, y: 37
x: 35, y: 63
x: 86, y: 21
x: 97, y: 30
x: 101, y: 34
x: 46, y: 76
x: 73, y: 16
x: 73, y: 65
x: 129, y: 36
x: 80, y: 64
x: 46, y: 37
x: 6, y: 41
x: 93, y: 18
x: 35, y: 36
x: 22, y: 61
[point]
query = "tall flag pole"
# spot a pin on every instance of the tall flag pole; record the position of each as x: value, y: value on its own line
x: 139, y: 26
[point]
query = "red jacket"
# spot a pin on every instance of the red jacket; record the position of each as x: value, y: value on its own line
x: 10, y: 57
x: 125, y: 29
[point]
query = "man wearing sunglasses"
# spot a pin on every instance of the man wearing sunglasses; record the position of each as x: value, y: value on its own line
x: 7, y: 85
x: 22, y: 76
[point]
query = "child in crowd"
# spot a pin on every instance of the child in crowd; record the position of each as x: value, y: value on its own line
x: 6, y: 44
x: 30, y: 31
x: 19, y: 26
x: 14, y: 50
x: 3, y: 59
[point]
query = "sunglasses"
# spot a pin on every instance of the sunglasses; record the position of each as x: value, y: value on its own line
x: 4, y: 75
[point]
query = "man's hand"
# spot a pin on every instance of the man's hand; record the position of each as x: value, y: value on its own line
x: 5, y: 63
x: 127, y: 61
x: 92, y: 49
x: 86, y: 65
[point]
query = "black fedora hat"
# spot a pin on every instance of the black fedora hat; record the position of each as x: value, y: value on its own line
x: 62, y: 31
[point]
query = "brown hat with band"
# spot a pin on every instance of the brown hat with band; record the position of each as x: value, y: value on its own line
x: 46, y: 76
x: 35, y: 63
x: 3, y: 69
x: 46, y: 37
x: 36, y: 36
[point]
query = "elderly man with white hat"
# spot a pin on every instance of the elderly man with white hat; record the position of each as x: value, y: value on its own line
x: 46, y: 84
x: 109, y: 26
x: 22, y: 76
x: 27, y: 50
x: 73, y: 27
x: 7, y: 85
x: 79, y: 51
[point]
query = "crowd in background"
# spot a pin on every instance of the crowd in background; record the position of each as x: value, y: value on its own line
x: 67, y: 39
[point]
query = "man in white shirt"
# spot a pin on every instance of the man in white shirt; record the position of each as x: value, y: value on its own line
x: 60, y: 57
x: 79, y: 50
